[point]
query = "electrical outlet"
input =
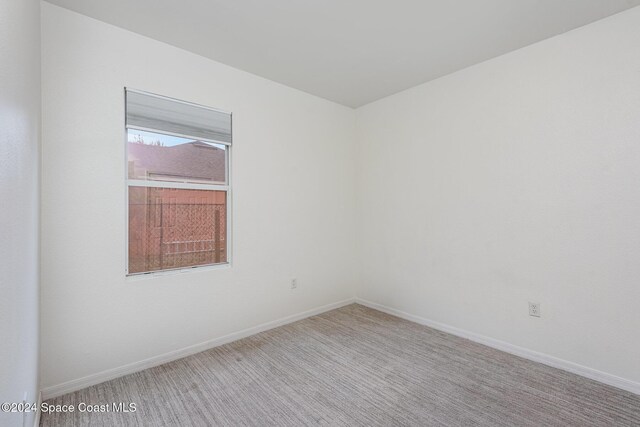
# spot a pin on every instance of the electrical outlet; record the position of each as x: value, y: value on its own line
x: 294, y: 283
x: 534, y: 309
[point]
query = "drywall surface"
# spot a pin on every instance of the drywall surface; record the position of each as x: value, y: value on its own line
x: 19, y: 192
x: 293, y: 202
x: 512, y: 181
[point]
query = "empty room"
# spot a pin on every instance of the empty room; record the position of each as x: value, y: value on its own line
x: 339, y: 213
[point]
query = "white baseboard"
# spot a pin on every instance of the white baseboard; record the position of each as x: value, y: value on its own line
x: 594, y: 374
x: 109, y: 374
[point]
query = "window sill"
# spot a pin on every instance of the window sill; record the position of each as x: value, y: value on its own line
x: 177, y: 271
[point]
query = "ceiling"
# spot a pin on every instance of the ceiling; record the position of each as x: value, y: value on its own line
x: 349, y: 51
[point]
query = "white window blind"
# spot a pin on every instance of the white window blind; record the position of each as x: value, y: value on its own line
x: 146, y: 111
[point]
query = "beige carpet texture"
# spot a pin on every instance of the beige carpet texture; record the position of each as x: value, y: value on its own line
x: 353, y: 366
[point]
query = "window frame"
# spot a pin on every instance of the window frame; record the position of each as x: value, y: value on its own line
x: 179, y: 185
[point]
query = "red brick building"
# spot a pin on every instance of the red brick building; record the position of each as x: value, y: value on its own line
x: 174, y: 227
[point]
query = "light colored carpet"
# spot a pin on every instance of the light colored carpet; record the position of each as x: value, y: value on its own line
x: 354, y: 366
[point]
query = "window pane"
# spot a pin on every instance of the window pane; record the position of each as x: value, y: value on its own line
x: 176, y: 228
x: 158, y: 157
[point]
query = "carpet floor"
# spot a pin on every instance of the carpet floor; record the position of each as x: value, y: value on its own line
x: 358, y: 367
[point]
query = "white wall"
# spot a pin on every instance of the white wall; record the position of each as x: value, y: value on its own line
x: 19, y: 192
x: 293, y: 213
x: 511, y: 181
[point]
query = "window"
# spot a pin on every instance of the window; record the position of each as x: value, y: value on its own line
x: 177, y: 184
